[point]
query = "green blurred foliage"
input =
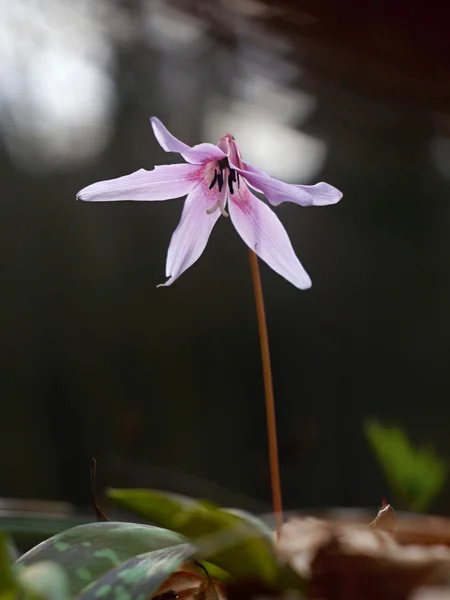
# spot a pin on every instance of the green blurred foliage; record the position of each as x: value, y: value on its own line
x: 111, y: 559
x: 44, y: 581
x: 8, y: 584
x: 236, y: 541
x: 30, y: 528
x: 39, y: 581
x: 415, y: 475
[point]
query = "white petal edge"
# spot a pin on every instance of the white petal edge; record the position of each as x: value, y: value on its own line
x: 192, y: 234
x: 263, y: 233
x: 276, y: 191
x: 199, y: 154
x: 163, y: 183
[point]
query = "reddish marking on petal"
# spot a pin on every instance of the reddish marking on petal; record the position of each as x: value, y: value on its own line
x: 200, y: 172
x: 209, y: 196
x: 204, y: 184
x: 241, y: 200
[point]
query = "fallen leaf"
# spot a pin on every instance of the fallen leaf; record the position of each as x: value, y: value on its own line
x: 350, y: 561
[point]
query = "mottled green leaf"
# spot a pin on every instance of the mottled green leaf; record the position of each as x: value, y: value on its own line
x: 8, y: 583
x: 140, y: 577
x: 231, y: 541
x: 44, y: 580
x: 40, y: 581
x: 87, y: 552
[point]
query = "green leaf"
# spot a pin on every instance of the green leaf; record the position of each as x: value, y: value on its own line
x: 231, y: 541
x: 8, y: 583
x: 87, y: 552
x: 214, y: 571
x: 415, y: 475
x: 140, y: 577
x: 40, y: 581
x: 262, y: 527
x: 44, y: 580
x: 34, y: 526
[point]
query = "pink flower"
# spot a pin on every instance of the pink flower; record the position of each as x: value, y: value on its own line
x: 216, y: 178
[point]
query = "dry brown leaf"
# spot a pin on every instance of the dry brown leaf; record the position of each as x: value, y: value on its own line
x: 190, y: 583
x: 426, y: 531
x: 423, y: 530
x: 385, y: 518
x: 347, y: 560
x: 431, y: 593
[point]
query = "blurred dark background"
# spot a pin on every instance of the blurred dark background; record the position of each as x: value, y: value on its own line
x: 164, y: 386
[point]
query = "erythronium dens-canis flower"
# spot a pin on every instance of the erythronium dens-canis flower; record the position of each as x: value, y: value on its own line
x: 216, y: 178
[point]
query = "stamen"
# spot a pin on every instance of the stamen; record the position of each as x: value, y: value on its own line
x: 210, y: 211
x: 220, y: 179
x: 238, y: 180
x: 213, y: 182
x: 231, y: 179
x: 230, y: 182
x: 220, y: 204
x: 223, y: 212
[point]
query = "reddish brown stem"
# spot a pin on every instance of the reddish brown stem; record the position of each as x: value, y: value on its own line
x: 268, y: 389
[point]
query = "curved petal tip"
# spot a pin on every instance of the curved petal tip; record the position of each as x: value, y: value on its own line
x: 264, y: 234
x: 199, y: 154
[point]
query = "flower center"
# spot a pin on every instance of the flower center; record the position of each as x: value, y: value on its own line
x: 223, y: 172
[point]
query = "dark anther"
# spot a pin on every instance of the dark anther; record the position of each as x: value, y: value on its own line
x: 213, y: 182
x: 230, y: 180
x: 238, y: 180
x: 218, y: 177
x: 220, y: 180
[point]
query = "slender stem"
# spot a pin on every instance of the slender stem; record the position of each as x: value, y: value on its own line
x: 268, y: 389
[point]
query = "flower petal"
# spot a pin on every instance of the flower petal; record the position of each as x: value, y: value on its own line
x: 263, y: 233
x: 163, y: 183
x: 277, y: 191
x: 199, y: 154
x: 192, y: 234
